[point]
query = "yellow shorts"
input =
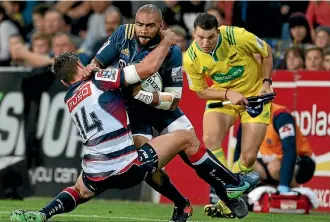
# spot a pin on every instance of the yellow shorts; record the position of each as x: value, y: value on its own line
x: 239, y: 111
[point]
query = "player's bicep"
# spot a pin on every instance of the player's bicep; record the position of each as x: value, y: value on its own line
x: 109, y: 79
x: 253, y: 44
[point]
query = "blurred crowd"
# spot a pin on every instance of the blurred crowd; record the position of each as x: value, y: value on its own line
x: 33, y: 32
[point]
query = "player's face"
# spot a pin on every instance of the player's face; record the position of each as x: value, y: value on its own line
x: 147, y: 26
x: 206, y: 39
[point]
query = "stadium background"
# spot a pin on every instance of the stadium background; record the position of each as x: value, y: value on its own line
x: 47, y: 143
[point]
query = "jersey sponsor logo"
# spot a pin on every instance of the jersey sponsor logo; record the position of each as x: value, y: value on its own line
x: 286, y: 131
x: 177, y: 74
x: 84, y: 92
x: 260, y: 43
x: 234, y: 73
x: 109, y: 75
x: 125, y: 52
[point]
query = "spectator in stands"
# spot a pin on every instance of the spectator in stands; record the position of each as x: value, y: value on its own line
x: 314, y: 59
x: 7, y: 29
x: 38, y: 14
x: 61, y: 42
x: 299, y: 29
x: 181, y: 37
x: 294, y: 59
x: 326, y: 60
x: 318, y: 13
x: 322, y: 37
x: 78, y: 12
x: 14, y: 41
x: 54, y: 22
x: 182, y: 13
x: 14, y: 10
x: 95, y: 26
x: 112, y: 19
x: 226, y: 7
x: 300, y: 36
x: 218, y: 13
x: 41, y: 43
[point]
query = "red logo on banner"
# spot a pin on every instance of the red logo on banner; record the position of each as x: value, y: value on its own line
x: 79, y: 96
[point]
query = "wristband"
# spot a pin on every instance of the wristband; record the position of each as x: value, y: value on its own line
x: 165, y: 100
x: 145, y: 97
x: 268, y: 80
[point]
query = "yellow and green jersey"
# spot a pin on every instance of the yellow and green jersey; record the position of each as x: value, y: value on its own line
x: 231, y: 65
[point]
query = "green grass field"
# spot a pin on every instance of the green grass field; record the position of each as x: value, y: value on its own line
x: 101, y: 210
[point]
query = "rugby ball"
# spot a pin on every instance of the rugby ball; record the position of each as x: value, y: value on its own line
x: 153, y: 84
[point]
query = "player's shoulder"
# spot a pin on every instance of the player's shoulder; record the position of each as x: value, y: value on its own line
x: 190, y: 56
x: 125, y: 32
x: 233, y: 35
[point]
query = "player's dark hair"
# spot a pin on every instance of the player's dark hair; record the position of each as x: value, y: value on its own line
x: 150, y: 8
x: 206, y: 21
x: 65, y: 66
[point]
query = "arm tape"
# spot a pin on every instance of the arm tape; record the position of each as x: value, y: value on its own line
x: 131, y: 75
x: 165, y: 100
x: 145, y: 97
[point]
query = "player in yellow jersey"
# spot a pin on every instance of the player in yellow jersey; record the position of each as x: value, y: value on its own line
x: 226, y: 55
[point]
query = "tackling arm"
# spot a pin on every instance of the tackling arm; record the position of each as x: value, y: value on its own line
x: 285, y: 126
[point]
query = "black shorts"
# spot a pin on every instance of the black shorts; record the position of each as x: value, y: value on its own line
x: 147, y: 164
x: 306, y: 169
x: 144, y: 119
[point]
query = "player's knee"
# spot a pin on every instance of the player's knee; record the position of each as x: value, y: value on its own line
x: 248, y: 158
x: 189, y: 141
x: 84, y: 193
x: 211, y: 141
